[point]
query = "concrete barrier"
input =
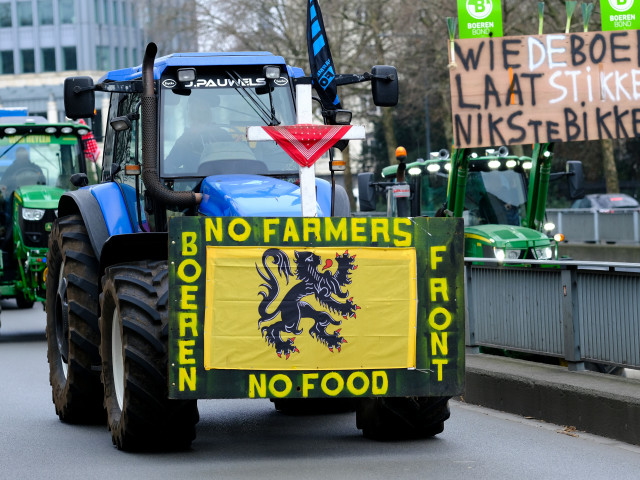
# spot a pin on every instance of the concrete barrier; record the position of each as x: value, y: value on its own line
x: 601, y: 404
x: 600, y: 252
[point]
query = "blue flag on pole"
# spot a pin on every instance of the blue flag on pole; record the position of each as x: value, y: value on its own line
x: 323, y: 71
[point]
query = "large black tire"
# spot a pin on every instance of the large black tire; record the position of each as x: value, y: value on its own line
x: 394, y: 418
x: 134, y: 351
x: 73, y: 337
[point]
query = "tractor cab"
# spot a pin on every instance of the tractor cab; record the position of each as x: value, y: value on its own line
x: 490, y: 191
x: 37, y: 160
x: 177, y: 138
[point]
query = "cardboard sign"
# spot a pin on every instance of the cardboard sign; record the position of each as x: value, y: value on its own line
x: 480, y: 18
x: 546, y: 88
x: 315, y: 307
x: 620, y: 14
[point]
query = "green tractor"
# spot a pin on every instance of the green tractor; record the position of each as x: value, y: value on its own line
x: 501, y: 197
x: 37, y: 162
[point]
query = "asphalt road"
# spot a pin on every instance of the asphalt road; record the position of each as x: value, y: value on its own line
x: 240, y: 439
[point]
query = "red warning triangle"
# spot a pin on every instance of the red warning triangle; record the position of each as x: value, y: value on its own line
x: 305, y: 143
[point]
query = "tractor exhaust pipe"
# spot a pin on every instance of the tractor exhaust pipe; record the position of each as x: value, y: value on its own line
x: 150, y: 140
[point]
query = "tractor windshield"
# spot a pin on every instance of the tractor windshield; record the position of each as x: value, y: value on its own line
x: 493, y: 195
x: 204, y: 125
x: 38, y: 159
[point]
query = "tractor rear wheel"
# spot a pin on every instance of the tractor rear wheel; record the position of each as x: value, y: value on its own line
x: 73, y: 337
x: 134, y: 350
x: 389, y: 418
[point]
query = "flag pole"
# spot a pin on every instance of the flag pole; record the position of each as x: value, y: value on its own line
x: 307, y: 174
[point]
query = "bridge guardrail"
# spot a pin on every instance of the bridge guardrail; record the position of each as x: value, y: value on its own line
x: 578, y: 311
x: 584, y: 225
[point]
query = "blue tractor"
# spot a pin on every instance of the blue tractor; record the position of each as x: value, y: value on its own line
x: 175, y: 147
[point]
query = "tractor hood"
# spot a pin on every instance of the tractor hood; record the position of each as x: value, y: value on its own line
x: 257, y: 196
x: 506, y: 236
x: 39, y: 196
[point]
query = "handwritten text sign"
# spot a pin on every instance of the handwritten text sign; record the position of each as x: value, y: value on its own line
x: 546, y: 88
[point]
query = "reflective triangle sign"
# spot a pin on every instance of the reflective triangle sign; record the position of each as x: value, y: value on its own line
x: 306, y: 143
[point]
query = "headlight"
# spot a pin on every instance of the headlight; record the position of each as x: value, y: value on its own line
x: 32, y: 214
x: 513, y: 254
x: 544, y: 253
x: 508, y: 254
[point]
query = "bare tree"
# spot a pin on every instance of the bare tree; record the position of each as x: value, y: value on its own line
x: 410, y: 35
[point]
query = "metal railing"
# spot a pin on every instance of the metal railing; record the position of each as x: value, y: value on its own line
x: 577, y: 311
x: 583, y: 225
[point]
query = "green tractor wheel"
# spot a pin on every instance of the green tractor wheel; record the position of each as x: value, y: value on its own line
x: 134, y: 351
x: 22, y: 302
x: 390, y: 418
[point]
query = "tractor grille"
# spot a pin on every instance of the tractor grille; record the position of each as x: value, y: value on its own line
x: 35, y: 234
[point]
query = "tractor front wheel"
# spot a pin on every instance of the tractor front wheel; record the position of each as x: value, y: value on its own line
x: 22, y: 302
x: 73, y: 337
x: 134, y: 351
x: 390, y: 418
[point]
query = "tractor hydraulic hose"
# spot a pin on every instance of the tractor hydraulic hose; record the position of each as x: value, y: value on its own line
x: 150, y: 177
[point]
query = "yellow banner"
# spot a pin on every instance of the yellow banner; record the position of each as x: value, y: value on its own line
x: 312, y: 309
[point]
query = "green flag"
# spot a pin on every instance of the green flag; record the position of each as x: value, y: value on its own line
x: 480, y: 18
x: 620, y: 14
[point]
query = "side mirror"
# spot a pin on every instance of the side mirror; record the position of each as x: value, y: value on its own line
x: 575, y: 179
x: 384, y: 85
x: 79, y: 180
x: 366, y: 192
x: 79, y: 97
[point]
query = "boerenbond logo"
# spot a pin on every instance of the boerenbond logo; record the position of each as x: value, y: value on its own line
x: 620, y: 14
x: 480, y: 9
x: 621, y: 5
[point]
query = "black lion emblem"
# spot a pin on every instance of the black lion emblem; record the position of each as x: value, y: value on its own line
x: 323, y: 285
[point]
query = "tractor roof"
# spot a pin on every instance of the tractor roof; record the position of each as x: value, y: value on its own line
x: 197, y: 59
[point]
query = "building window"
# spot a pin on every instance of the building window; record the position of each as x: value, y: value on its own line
x: 125, y: 56
x: 67, y: 11
x: 6, y: 58
x: 133, y: 14
x: 5, y: 14
x: 70, y: 58
x: 124, y: 14
x: 115, y: 12
x: 105, y: 6
x: 45, y: 12
x: 134, y: 55
x: 116, y: 54
x: 25, y: 14
x: 28, y: 58
x: 96, y: 10
x: 102, y: 58
x: 48, y: 59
